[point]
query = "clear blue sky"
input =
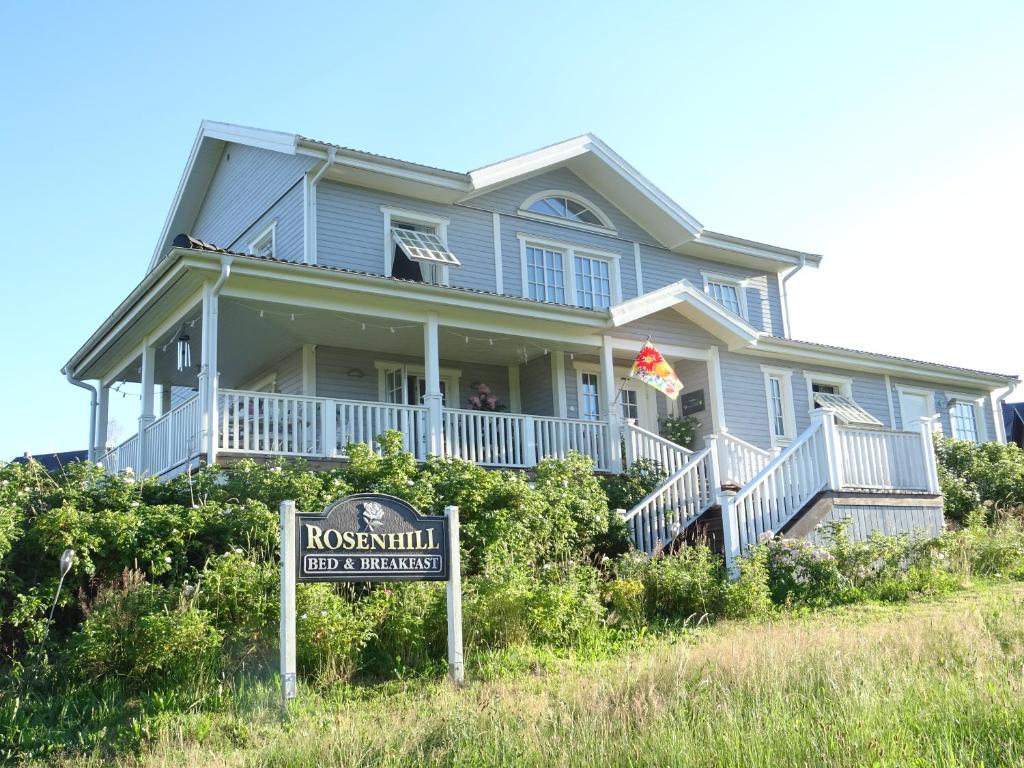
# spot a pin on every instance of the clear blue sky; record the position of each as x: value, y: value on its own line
x: 886, y: 136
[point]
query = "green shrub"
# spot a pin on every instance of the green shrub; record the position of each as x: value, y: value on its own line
x: 980, y: 549
x: 802, y: 574
x: 330, y: 633
x: 410, y: 628
x: 971, y: 474
x: 145, y: 634
x: 625, y: 600
x: 513, y: 604
x: 681, y: 431
x: 628, y: 488
x: 241, y: 596
x: 575, y: 505
x: 687, y: 585
x: 749, y: 596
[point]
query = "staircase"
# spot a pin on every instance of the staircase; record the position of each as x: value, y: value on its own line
x: 762, y: 492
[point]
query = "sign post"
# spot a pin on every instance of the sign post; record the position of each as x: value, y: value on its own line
x: 455, y: 662
x: 288, y: 671
x: 368, y: 537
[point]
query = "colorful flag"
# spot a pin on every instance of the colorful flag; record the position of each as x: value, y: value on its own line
x: 651, y: 368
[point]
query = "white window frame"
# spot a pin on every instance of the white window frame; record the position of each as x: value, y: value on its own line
x: 569, y: 253
x: 739, y: 283
x: 270, y: 230
x: 978, y: 403
x: 452, y: 378
x: 843, y: 383
x: 403, y: 215
x: 785, y: 377
x: 606, y: 227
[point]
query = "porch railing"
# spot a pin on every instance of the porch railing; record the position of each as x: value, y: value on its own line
x: 877, y: 459
x: 362, y: 422
x: 165, y: 443
x: 643, y: 444
x: 556, y: 437
x: 739, y: 460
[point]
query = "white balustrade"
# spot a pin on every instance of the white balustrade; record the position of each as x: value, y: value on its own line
x: 777, y: 492
x: 125, y: 456
x: 676, y: 503
x: 882, y: 459
x: 258, y: 422
x: 359, y: 421
x: 488, y: 438
x: 643, y: 444
x: 739, y: 460
x: 555, y: 437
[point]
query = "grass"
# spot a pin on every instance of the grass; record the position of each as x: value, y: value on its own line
x: 934, y: 683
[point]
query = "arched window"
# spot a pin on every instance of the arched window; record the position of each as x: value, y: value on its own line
x: 565, y: 205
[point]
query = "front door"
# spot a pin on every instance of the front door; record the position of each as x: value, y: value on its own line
x: 914, y: 406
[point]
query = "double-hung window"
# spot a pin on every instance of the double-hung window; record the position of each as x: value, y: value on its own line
x: 779, y: 399
x: 545, y: 278
x: 593, y: 282
x: 590, y: 403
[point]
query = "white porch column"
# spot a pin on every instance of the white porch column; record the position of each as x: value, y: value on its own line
x: 146, y: 415
x: 558, y: 399
x: 309, y: 370
x: 611, y: 408
x: 102, y: 419
x: 931, y: 466
x: 208, y: 376
x: 432, y: 396
x: 715, y: 391
x: 165, y: 399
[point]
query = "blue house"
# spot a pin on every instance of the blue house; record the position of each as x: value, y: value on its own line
x: 304, y: 296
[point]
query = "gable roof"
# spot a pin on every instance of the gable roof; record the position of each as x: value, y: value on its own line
x: 694, y: 305
x: 586, y: 156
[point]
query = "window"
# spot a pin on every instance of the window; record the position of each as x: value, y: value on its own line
x: 630, y: 403
x: 561, y: 272
x: 779, y: 400
x: 416, y: 246
x: 264, y: 244
x: 775, y: 407
x: 727, y: 291
x: 824, y: 384
x: 593, y: 283
x: 544, y: 276
x: 590, y: 404
x: 570, y: 208
x: 407, y: 384
x: 965, y: 417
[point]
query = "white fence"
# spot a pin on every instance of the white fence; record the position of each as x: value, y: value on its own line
x: 363, y: 422
x: 674, y: 504
x: 883, y: 459
x: 642, y: 444
x: 556, y: 437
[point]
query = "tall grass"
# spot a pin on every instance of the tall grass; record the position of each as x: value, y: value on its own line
x: 940, y: 683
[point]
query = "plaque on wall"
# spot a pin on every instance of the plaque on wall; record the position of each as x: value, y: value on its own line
x: 692, y: 402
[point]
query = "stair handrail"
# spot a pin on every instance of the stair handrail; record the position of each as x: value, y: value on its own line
x: 729, y: 472
x: 645, y: 531
x: 674, y: 455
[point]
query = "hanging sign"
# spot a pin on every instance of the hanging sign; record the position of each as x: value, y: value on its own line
x: 368, y: 537
x: 371, y: 537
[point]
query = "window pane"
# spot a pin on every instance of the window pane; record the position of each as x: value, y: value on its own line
x: 564, y: 208
x: 593, y: 284
x: 777, y: 412
x: 630, y: 406
x: 726, y: 295
x: 965, y: 422
x: 544, y: 275
x: 589, y: 402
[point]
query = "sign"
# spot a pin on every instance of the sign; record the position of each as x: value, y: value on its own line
x: 692, y: 402
x: 371, y: 537
x: 368, y: 537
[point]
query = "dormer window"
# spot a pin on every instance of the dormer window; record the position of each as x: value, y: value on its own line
x: 568, y: 207
x: 265, y: 243
x: 416, y: 246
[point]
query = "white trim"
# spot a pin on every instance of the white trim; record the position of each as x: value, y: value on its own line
x: 888, y: 399
x: 605, y: 227
x: 499, y: 266
x: 439, y: 223
x: 785, y: 377
x: 844, y: 383
x: 715, y: 392
x: 977, y: 402
x: 559, y: 399
x: 270, y: 229
x: 738, y: 283
x: 639, y: 270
